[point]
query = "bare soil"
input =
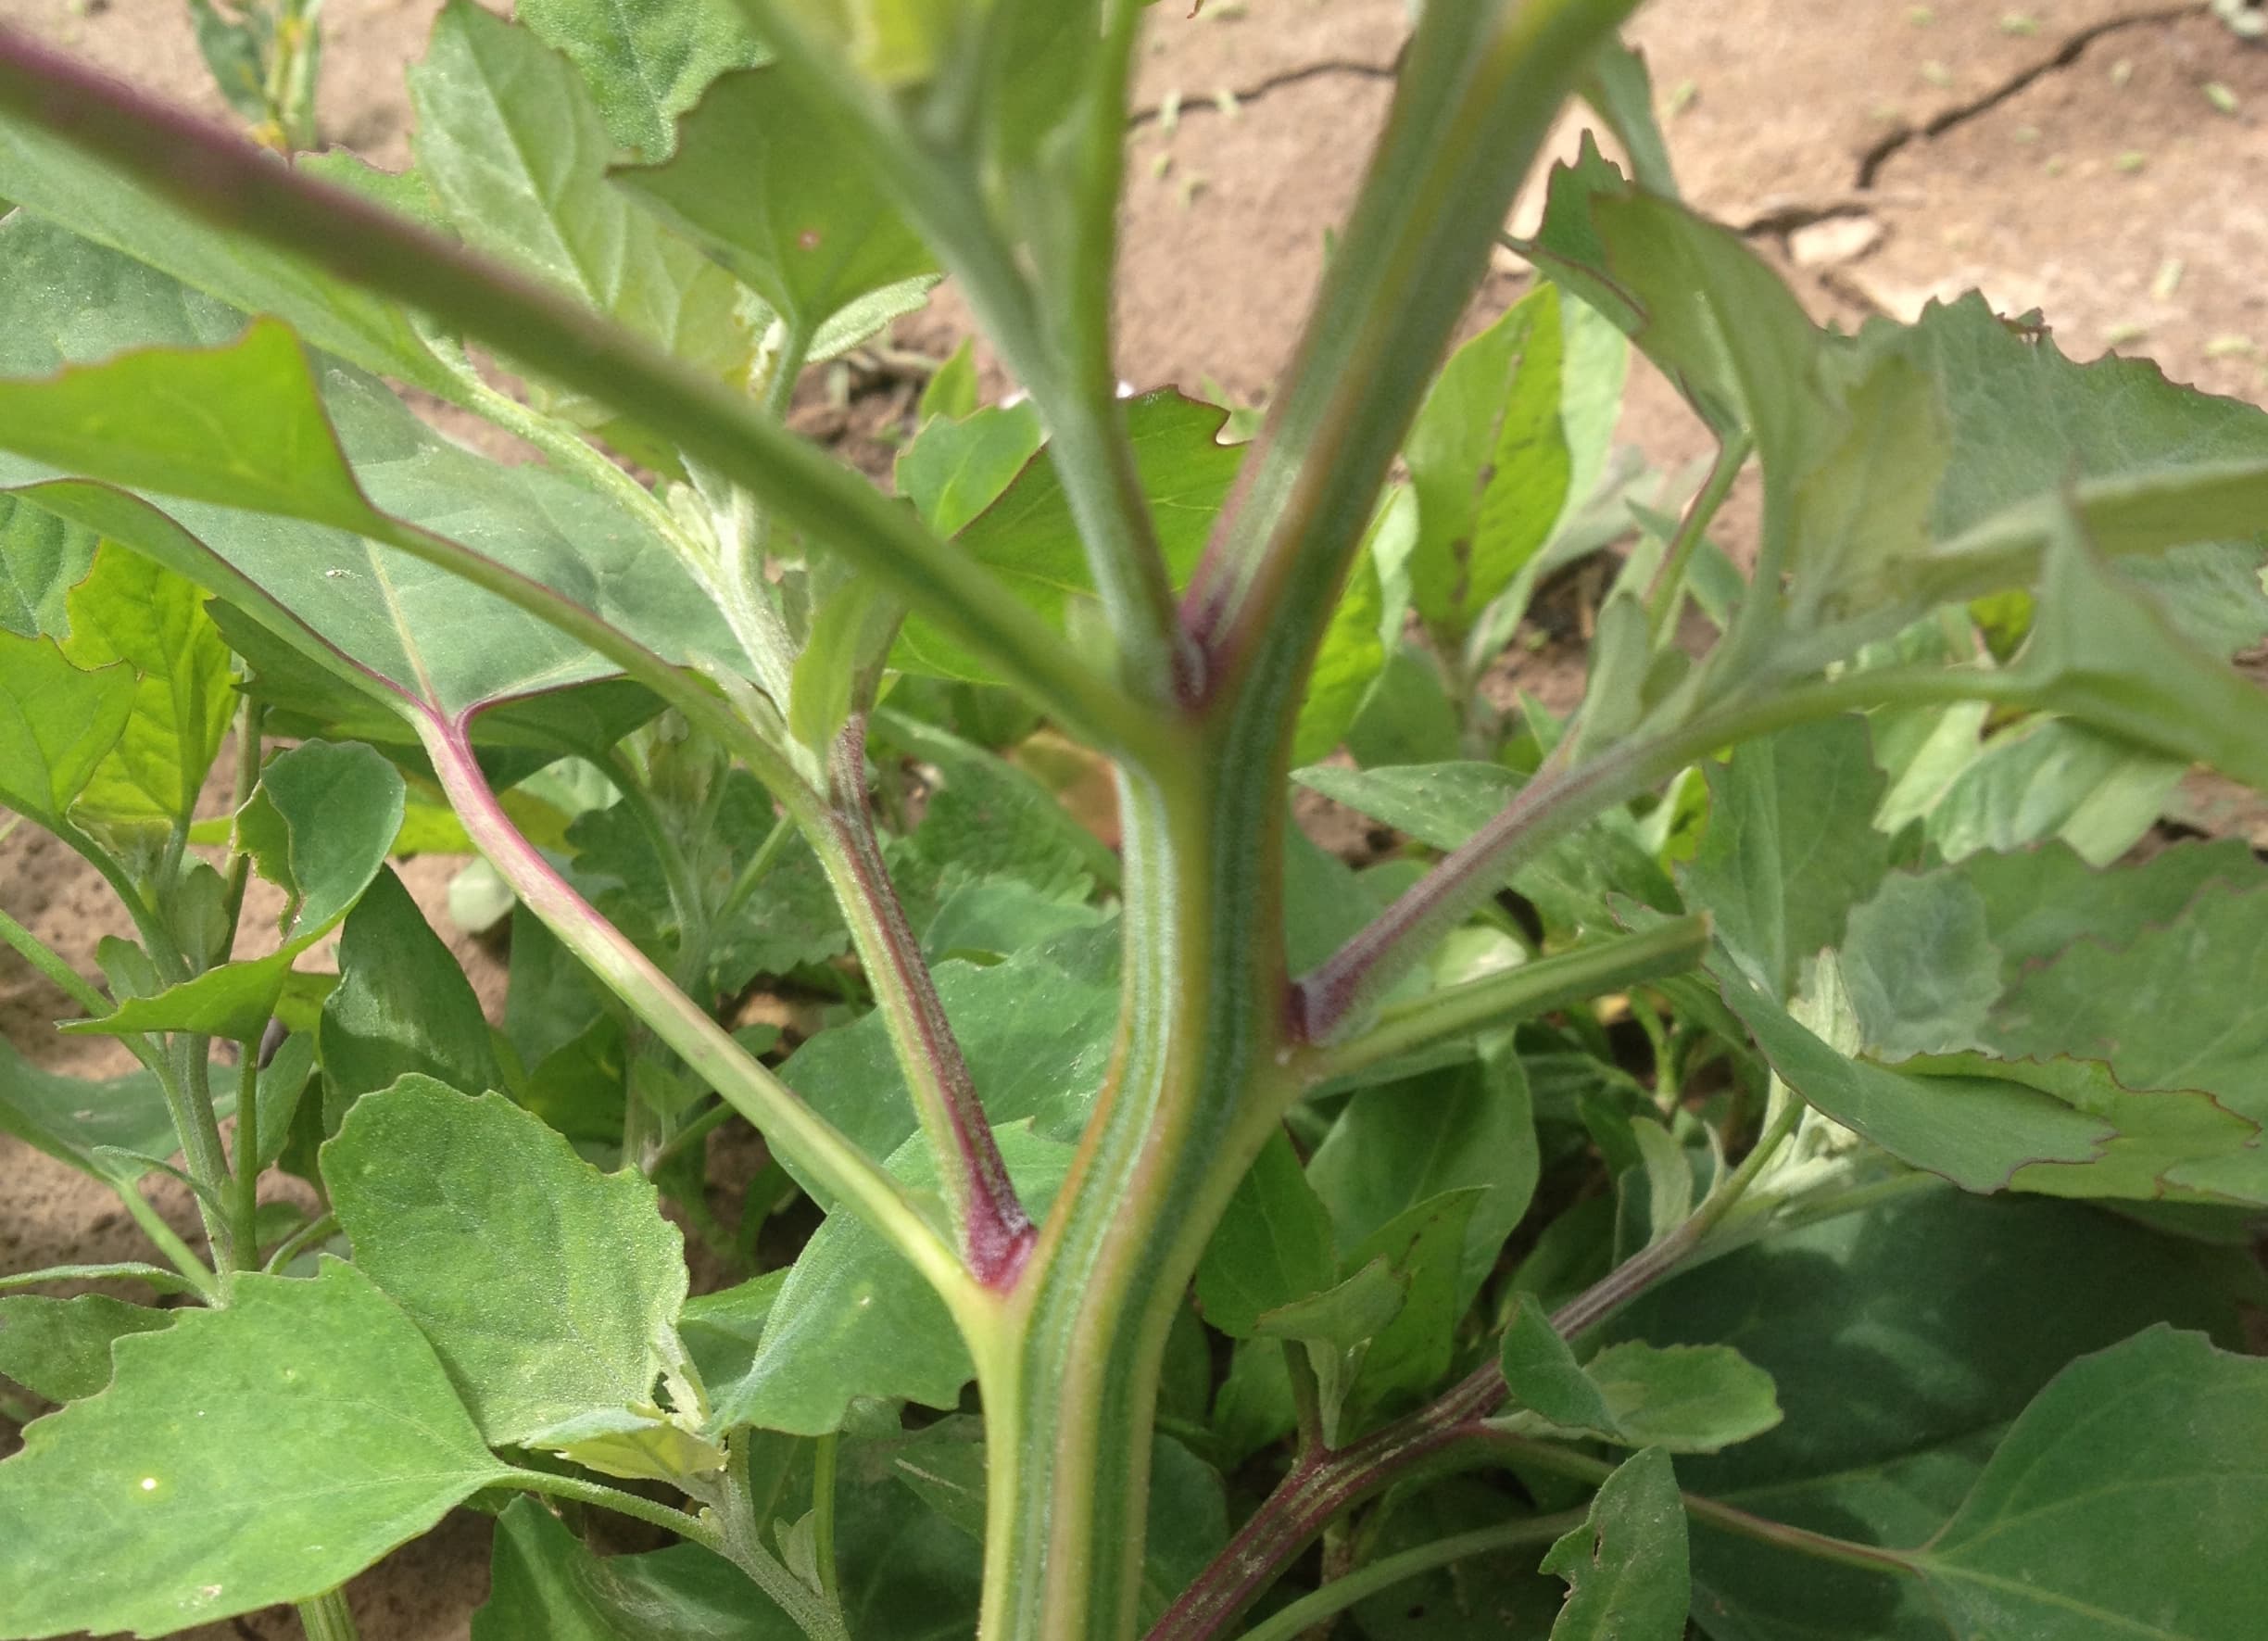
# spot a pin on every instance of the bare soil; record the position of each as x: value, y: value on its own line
x: 2060, y: 154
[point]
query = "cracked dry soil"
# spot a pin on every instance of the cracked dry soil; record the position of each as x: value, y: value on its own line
x: 2060, y: 154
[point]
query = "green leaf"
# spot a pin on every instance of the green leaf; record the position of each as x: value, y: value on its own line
x: 1628, y: 1577
x: 1921, y: 968
x: 1685, y: 1398
x: 263, y: 1453
x: 318, y: 826
x: 2044, y: 778
x: 1463, y: 1126
x: 511, y: 143
x: 1443, y: 804
x: 1487, y: 1598
x: 1272, y: 1244
x: 1345, y: 1314
x: 2102, y: 650
x: 991, y: 919
x: 854, y: 1319
x: 953, y: 470
x: 58, y: 722
x: 1897, y: 1358
x: 790, y: 921
x: 1036, y: 1032
x: 950, y: 391
x: 84, y: 1122
x: 1027, y: 536
x: 131, y: 611
x: 1861, y: 510
x: 42, y: 558
x: 2126, y: 1500
x: 61, y: 1348
x: 1790, y: 846
x: 645, y: 62
x: 1704, y: 307
x: 550, y: 1291
x: 723, y: 1331
x: 1347, y: 665
x: 994, y: 818
x: 764, y: 181
x: 850, y: 630
x: 402, y: 1007
x: 1488, y: 463
x: 545, y: 1584
x: 2027, y: 422
x: 77, y: 320
x: 1980, y: 1133
x: 251, y: 431
x: 1971, y: 958
x: 1545, y: 1378
x: 1423, y: 1247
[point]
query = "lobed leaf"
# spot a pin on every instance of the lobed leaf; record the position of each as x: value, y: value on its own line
x: 240, y: 1458
x: 1628, y: 1578
x: 61, y: 1348
x: 551, y: 1291
x: 764, y: 181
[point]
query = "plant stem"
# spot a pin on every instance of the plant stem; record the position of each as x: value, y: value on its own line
x: 187, y: 1078
x: 1519, y: 993
x: 1194, y: 1086
x: 164, y: 1238
x: 1668, y: 584
x: 995, y: 1232
x: 1480, y: 86
x: 299, y: 1241
x: 758, y: 867
x: 788, y: 1124
x: 246, y: 1169
x: 944, y: 196
x: 59, y: 974
x: 327, y: 1618
x: 223, y: 180
x: 250, y: 723
x: 1287, y: 1622
x: 824, y: 1455
x: 165, y: 1281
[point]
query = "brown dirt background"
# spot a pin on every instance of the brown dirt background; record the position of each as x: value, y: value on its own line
x: 2058, y: 154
